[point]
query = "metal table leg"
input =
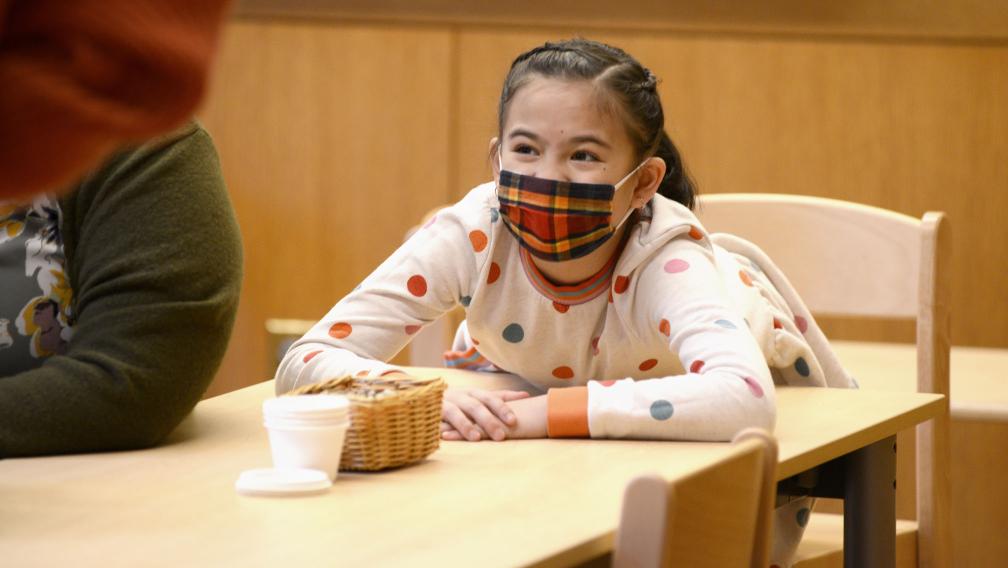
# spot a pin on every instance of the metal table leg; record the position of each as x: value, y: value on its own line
x: 870, y: 506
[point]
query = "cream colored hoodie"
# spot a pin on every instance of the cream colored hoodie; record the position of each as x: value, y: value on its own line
x: 675, y: 339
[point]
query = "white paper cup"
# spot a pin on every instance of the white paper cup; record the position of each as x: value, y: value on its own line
x: 307, y: 431
x: 298, y: 447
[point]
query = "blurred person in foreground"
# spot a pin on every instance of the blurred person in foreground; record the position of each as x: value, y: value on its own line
x: 81, y: 78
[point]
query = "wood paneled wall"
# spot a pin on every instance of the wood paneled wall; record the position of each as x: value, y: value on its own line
x: 336, y: 136
x: 325, y: 162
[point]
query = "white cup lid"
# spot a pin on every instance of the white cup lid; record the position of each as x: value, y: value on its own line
x: 280, y: 482
x: 320, y: 405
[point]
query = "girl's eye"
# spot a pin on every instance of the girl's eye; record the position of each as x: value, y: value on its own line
x: 524, y: 149
x: 584, y: 156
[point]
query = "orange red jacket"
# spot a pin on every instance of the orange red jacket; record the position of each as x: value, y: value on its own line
x: 79, y: 79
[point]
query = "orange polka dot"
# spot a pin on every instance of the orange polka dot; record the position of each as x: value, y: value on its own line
x: 696, y: 366
x: 607, y: 383
x: 562, y: 308
x: 563, y: 372
x: 340, y: 330
x: 478, y: 239
x: 622, y: 283
x: 411, y: 329
x: 311, y: 356
x: 595, y: 348
x: 745, y: 278
x: 494, y: 273
x: 417, y: 285
x: 695, y: 233
x: 777, y: 324
x: 363, y: 373
x: 648, y: 365
x: 664, y: 327
x: 475, y: 341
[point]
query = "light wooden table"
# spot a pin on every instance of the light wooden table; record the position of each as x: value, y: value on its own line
x: 525, y: 502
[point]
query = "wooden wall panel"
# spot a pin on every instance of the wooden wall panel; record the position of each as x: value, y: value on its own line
x: 976, y: 20
x: 332, y: 144
x: 908, y: 126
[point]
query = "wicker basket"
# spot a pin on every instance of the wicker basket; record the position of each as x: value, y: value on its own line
x: 393, y: 422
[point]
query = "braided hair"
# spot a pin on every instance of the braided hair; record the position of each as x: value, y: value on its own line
x: 633, y: 90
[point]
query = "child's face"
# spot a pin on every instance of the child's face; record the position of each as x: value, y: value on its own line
x: 558, y: 130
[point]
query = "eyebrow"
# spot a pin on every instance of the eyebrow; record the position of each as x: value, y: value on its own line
x: 577, y: 139
x: 591, y: 139
x: 523, y: 132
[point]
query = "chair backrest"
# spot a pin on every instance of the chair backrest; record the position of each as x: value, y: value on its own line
x: 718, y: 516
x: 856, y: 260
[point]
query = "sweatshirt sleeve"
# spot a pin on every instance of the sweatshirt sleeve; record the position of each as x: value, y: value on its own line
x: 679, y: 297
x: 423, y: 279
x: 83, y: 78
x: 154, y: 258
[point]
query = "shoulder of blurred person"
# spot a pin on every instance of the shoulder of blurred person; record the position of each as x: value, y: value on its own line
x: 153, y: 268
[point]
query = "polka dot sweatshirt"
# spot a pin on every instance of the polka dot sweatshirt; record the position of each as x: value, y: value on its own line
x: 674, y: 339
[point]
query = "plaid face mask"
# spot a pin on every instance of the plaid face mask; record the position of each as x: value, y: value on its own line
x: 558, y: 220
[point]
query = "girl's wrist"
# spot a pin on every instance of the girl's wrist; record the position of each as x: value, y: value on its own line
x: 530, y: 414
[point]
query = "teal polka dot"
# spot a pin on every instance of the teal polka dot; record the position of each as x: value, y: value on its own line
x: 801, y: 365
x: 725, y: 324
x: 465, y: 300
x: 514, y: 333
x: 661, y: 410
x: 494, y: 215
x: 802, y: 516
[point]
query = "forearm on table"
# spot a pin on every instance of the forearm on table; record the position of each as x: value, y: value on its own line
x: 72, y: 405
x: 710, y: 407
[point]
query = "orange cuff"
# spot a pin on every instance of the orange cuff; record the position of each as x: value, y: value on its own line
x: 567, y: 412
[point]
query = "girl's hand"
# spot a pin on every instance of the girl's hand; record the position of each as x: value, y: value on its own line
x: 476, y: 414
x: 530, y: 420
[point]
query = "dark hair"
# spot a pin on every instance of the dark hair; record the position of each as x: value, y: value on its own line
x: 626, y: 81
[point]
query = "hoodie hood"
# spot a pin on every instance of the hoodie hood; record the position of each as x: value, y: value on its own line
x: 661, y: 221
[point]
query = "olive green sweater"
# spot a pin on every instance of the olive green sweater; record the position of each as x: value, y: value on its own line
x: 153, y: 255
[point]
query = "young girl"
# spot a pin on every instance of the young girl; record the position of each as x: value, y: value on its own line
x: 583, y: 270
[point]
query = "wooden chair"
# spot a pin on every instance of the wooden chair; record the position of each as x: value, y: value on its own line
x: 855, y: 260
x: 719, y: 516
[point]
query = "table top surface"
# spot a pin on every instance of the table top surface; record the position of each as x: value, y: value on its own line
x: 978, y: 375
x: 517, y: 502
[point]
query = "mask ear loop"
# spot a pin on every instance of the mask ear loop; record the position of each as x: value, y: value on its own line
x: 624, y: 219
x: 626, y: 177
x: 617, y: 186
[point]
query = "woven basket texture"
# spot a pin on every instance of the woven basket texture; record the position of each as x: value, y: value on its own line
x: 393, y: 422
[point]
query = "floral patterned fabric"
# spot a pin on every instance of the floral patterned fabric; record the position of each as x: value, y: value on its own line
x: 35, y: 305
